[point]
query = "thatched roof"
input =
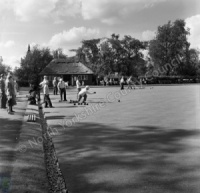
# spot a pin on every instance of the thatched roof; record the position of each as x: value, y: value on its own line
x: 65, y: 66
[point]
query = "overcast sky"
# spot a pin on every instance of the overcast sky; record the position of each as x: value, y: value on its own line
x: 65, y: 23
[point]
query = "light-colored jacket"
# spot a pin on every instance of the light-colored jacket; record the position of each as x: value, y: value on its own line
x: 61, y: 84
x: 46, y: 89
x: 83, y: 92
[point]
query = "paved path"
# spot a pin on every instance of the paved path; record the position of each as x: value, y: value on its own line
x: 147, y: 143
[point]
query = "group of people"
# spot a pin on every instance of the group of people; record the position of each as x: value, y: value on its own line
x: 129, y: 81
x: 8, y: 92
x: 61, y: 88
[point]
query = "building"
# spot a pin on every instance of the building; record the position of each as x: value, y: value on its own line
x: 69, y: 70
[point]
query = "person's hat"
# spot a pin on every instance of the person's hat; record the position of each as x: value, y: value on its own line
x: 87, y: 87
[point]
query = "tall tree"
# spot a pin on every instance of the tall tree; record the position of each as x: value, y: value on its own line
x: 32, y: 64
x: 170, y: 42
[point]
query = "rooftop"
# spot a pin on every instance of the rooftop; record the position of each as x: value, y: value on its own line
x: 65, y: 66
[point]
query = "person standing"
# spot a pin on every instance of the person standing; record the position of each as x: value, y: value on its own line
x: 78, y: 85
x: 16, y: 87
x: 62, y: 89
x: 83, y: 83
x: 44, y: 81
x: 11, y: 101
x: 122, y: 83
x: 130, y: 82
x: 2, y: 93
x: 55, y: 86
x: 47, y: 99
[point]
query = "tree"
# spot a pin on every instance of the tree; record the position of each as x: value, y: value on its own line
x: 4, y: 69
x: 170, y: 42
x: 58, y: 53
x: 109, y: 55
x: 132, y: 56
x: 32, y: 64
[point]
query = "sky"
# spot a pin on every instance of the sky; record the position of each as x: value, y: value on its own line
x: 65, y: 23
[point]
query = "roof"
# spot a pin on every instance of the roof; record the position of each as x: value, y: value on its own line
x: 65, y: 66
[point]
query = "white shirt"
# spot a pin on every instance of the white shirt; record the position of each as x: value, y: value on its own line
x: 54, y: 82
x: 129, y: 80
x: 46, y: 89
x: 43, y: 82
x: 83, y: 92
x: 78, y: 84
x: 122, y: 80
x: 61, y: 84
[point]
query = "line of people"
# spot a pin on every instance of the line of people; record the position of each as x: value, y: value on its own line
x: 8, y: 92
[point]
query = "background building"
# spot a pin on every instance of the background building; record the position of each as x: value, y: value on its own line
x: 69, y: 70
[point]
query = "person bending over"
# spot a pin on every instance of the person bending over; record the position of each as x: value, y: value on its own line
x: 83, y: 93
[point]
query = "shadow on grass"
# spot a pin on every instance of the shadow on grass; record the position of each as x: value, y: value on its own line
x: 97, y: 158
x: 23, y: 169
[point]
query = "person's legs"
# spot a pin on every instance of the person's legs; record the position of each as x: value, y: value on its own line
x: 79, y: 89
x: 64, y: 91
x: 48, y: 100
x: 4, y: 100
x: 85, y: 98
x: 45, y: 100
x: 79, y: 98
x: 54, y: 90
x: 122, y: 86
x: 9, y: 107
x: 61, y: 93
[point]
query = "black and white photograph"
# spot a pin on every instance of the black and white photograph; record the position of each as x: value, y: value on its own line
x: 99, y: 96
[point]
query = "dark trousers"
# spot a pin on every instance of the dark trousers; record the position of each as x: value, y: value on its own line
x: 47, y: 100
x: 55, y: 90
x: 62, y: 92
x: 3, y: 100
x: 84, y: 98
x: 122, y: 86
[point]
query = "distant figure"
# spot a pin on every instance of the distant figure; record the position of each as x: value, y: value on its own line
x: 55, y: 84
x: 111, y: 81
x: 44, y: 81
x: 2, y: 93
x: 83, y: 83
x: 47, y: 99
x: 62, y: 89
x: 98, y: 80
x: 32, y: 95
x: 11, y: 101
x: 122, y: 83
x: 78, y: 85
x: 16, y: 87
x: 130, y: 83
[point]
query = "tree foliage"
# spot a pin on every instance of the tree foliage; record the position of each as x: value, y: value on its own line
x: 32, y: 64
x: 4, y: 69
x: 171, y: 43
x: 109, y: 55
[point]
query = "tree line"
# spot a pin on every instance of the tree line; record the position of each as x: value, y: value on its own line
x: 124, y: 56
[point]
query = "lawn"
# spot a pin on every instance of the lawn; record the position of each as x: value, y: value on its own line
x: 147, y: 142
